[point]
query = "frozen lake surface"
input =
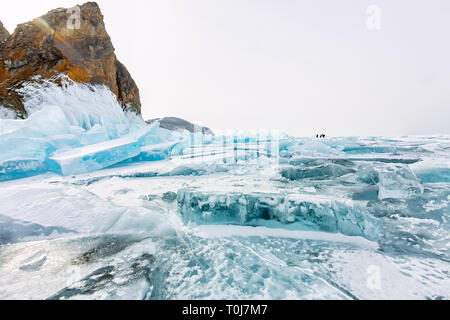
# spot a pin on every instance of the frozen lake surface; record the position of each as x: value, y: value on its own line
x: 368, y: 222
x: 94, y: 204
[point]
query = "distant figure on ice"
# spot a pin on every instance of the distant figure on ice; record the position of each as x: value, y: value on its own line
x: 322, y: 136
x: 317, y: 136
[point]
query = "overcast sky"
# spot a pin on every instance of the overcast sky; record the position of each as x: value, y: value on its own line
x: 300, y: 66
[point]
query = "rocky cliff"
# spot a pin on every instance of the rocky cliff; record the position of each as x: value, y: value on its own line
x: 73, y: 42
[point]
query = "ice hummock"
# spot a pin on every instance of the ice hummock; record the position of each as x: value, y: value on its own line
x: 311, y: 212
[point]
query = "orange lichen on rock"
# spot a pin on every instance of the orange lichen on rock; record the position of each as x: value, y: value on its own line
x: 79, y: 74
x: 48, y: 46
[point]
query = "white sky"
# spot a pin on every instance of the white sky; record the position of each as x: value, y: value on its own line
x: 300, y: 66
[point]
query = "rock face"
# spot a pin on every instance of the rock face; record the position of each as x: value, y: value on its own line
x: 73, y: 42
x: 177, y: 124
x: 3, y: 32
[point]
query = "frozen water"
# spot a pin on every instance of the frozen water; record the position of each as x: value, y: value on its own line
x: 368, y: 174
x: 156, y: 152
x: 310, y: 212
x: 101, y: 155
x: 95, y: 157
x: 94, y: 204
x: 78, y: 128
x: 398, y: 182
x: 319, y: 172
x: 7, y: 113
x: 112, y: 234
x: 82, y: 106
x: 432, y: 170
